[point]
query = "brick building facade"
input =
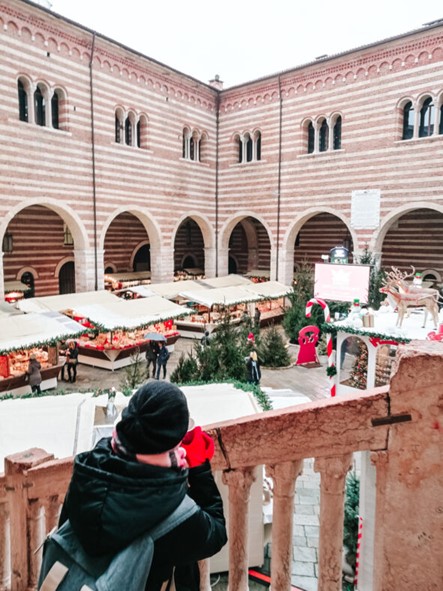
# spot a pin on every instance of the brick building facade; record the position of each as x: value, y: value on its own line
x: 111, y: 160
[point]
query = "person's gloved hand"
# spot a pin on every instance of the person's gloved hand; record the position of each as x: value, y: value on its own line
x: 199, y: 447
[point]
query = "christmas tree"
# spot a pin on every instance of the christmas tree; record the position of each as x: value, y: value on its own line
x: 358, y: 377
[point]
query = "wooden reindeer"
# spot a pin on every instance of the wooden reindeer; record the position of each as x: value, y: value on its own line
x: 398, y: 278
x: 404, y: 300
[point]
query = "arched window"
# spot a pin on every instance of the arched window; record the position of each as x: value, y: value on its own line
x: 118, y: 130
x: 22, y: 102
x: 311, y: 138
x: 39, y: 107
x: 336, y: 135
x: 257, y: 145
x: 324, y: 136
x: 28, y: 279
x: 249, y: 149
x: 240, y: 148
x: 427, y: 118
x: 408, y: 121
x: 440, y: 127
x: 55, y: 110
x: 128, y: 132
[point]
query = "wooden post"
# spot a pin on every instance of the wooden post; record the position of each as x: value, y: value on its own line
x: 17, y: 484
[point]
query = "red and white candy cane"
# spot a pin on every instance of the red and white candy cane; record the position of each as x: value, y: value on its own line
x: 357, y: 554
x: 329, y: 347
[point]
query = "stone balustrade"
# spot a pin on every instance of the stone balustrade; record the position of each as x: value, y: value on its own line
x: 400, y: 426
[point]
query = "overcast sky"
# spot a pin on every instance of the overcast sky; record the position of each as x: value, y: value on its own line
x: 242, y: 40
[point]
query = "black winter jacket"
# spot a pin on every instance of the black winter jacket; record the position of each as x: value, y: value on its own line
x: 112, y: 500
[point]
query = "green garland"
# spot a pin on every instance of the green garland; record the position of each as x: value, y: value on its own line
x: 334, y: 329
x: 48, y: 343
x: 95, y: 392
x: 331, y: 371
x: 98, y: 327
x: 262, y: 398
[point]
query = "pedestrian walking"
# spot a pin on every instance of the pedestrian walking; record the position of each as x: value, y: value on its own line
x: 34, y: 375
x: 253, y: 367
x: 72, y: 361
x: 151, y: 358
x: 162, y: 360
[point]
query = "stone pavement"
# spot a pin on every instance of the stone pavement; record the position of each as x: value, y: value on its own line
x: 288, y: 386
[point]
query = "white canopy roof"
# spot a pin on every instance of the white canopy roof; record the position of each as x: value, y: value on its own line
x: 226, y: 296
x: 8, y: 309
x: 269, y: 289
x: 226, y: 281
x: 69, y: 301
x: 172, y: 289
x: 15, y: 285
x: 28, y: 330
x: 130, y: 314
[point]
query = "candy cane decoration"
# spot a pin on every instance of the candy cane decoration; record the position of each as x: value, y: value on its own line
x: 357, y: 555
x: 329, y: 348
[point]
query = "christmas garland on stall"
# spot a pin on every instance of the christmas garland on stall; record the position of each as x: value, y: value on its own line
x: 52, y: 342
x: 334, y: 329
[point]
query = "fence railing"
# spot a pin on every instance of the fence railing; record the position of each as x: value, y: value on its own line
x: 400, y: 426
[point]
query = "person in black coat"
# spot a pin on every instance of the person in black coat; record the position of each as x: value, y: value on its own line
x: 72, y: 361
x: 129, y: 483
x: 151, y: 357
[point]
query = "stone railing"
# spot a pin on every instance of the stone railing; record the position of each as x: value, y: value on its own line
x: 401, y: 427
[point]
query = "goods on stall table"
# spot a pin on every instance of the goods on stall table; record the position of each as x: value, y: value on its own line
x: 16, y: 362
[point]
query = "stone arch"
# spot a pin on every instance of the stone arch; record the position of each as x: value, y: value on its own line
x: 230, y: 223
x: 377, y: 240
x: 289, y: 239
x: 27, y: 269
x: 203, y: 223
x: 70, y: 217
x: 151, y: 226
x: 62, y: 262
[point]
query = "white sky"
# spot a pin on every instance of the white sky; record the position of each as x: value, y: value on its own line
x: 242, y: 40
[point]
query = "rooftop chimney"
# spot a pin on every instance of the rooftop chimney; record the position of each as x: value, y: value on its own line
x: 216, y: 82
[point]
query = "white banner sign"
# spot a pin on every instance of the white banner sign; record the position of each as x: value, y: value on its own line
x: 365, y: 209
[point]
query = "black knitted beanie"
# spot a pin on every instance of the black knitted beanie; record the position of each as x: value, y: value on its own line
x: 155, y: 420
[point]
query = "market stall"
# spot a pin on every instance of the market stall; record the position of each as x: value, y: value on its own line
x: 227, y: 281
x: 258, y: 275
x: 25, y: 334
x: 209, y: 304
x: 273, y: 305
x: 122, y: 327
x: 114, y: 281
x: 66, y: 302
x: 15, y: 291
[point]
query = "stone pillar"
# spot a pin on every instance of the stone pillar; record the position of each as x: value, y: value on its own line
x: 333, y: 472
x: 5, y: 547
x: 210, y: 254
x: 2, y: 277
x: 252, y: 258
x: 162, y: 264
x: 223, y: 261
x: 239, y: 483
x: 85, y: 269
x: 285, y: 267
x: 16, y: 466
x: 283, y: 476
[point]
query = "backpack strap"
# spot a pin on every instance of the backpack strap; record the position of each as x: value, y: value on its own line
x: 186, y: 508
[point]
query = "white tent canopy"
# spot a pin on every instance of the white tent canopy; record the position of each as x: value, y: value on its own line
x: 172, y: 289
x: 69, y: 301
x: 225, y: 296
x: 269, y: 289
x: 130, y: 314
x: 29, y: 330
x: 226, y: 281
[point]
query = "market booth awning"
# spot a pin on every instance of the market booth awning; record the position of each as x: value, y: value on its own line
x: 223, y: 296
x: 172, y: 289
x: 264, y: 273
x: 8, y: 309
x: 130, y: 314
x: 31, y: 330
x: 69, y: 301
x: 226, y: 281
x: 15, y: 285
x: 269, y: 289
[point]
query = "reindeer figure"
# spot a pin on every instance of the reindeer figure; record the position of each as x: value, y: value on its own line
x: 403, y: 301
x: 398, y: 278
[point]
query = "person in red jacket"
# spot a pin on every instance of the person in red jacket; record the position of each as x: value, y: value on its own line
x: 133, y: 480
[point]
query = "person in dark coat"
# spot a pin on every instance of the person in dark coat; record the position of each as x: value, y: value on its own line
x: 133, y: 480
x: 162, y: 360
x: 34, y: 375
x: 72, y: 361
x: 253, y: 367
x: 151, y: 358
